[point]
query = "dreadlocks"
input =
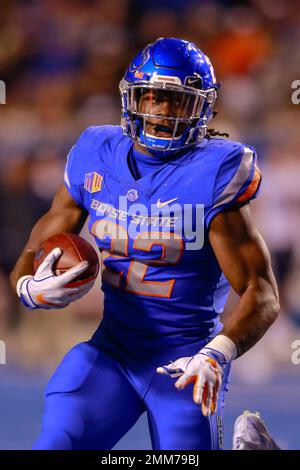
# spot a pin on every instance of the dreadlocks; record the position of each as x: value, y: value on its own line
x: 213, y: 133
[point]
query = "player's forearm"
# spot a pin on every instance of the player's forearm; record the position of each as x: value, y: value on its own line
x: 45, y: 227
x: 49, y: 224
x: 23, y: 267
x: 255, y: 312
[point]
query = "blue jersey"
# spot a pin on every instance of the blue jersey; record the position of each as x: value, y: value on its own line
x: 162, y: 284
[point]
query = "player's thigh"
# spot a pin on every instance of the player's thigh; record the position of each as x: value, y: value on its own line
x: 177, y: 423
x: 90, y: 399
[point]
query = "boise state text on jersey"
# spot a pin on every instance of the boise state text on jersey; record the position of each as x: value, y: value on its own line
x: 158, y: 292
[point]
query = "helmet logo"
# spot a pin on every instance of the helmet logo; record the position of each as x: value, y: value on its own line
x: 146, y: 54
x: 145, y: 58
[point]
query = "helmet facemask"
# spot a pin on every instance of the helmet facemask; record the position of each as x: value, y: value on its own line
x: 165, y: 117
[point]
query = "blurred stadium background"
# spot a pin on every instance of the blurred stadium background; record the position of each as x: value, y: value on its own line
x: 61, y: 61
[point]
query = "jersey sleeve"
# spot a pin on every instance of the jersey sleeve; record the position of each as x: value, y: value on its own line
x: 238, y: 180
x: 75, y: 166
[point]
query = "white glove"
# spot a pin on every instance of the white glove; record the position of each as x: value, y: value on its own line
x: 205, y: 371
x: 46, y: 290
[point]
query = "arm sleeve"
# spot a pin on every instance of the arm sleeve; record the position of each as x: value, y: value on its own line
x: 238, y: 180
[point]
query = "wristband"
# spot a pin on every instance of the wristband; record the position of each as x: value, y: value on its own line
x: 23, y: 292
x: 224, y: 345
x: 20, y: 282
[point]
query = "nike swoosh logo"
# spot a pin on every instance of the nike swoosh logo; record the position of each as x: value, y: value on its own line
x: 163, y: 204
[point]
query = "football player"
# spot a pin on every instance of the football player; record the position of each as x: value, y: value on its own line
x: 167, y: 202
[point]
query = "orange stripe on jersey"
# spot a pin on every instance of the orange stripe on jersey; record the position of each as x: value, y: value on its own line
x: 252, y: 188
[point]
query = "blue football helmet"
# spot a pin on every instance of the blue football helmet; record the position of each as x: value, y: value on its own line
x: 168, y: 95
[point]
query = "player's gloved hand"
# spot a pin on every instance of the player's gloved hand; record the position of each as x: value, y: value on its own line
x: 46, y: 290
x: 205, y: 370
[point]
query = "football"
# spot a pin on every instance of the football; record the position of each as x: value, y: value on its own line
x: 74, y: 249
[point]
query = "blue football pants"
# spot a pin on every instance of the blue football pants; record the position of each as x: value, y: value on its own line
x: 92, y: 400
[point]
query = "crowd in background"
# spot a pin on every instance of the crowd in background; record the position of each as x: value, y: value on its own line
x: 62, y: 61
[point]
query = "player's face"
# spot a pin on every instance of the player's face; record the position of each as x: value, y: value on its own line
x: 165, y: 104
